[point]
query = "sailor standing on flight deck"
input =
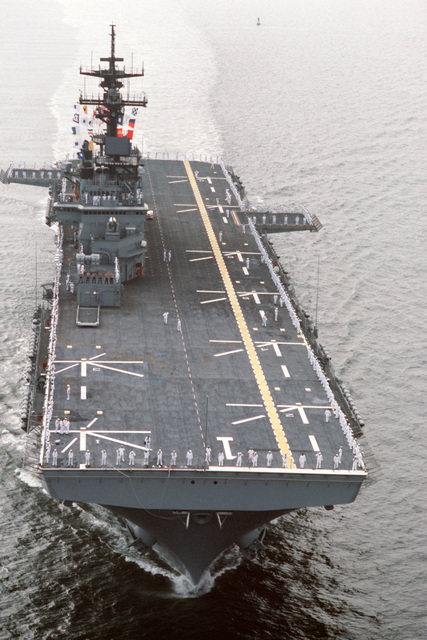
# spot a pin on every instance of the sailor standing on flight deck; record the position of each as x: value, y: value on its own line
x: 87, y: 458
x: 264, y: 320
x: 189, y: 458
x: 327, y: 415
x: 336, y: 461
x: 165, y: 317
x: 147, y: 458
x: 70, y: 458
x: 254, y: 459
x: 57, y: 425
x: 159, y: 457
x: 302, y: 460
x: 339, y: 454
x: 55, y: 458
x: 269, y: 458
x: 68, y: 392
x: 131, y: 458
x: 208, y: 453
x: 118, y: 456
x: 221, y: 458
x: 285, y: 461
x: 173, y: 458
x: 250, y: 454
x: 239, y: 459
x: 319, y: 459
x: 276, y: 313
x: 122, y: 453
x: 103, y: 458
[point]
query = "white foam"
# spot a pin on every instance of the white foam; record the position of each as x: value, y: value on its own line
x: 29, y: 478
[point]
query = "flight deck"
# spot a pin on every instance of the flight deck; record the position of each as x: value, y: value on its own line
x: 202, y: 351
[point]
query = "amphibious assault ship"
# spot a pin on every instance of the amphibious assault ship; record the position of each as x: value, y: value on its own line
x: 173, y: 377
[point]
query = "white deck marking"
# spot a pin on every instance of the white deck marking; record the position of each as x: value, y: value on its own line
x: 226, y: 446
x: 239, y: 256
x: 261, y: 415
x: 229, y: 341
x: 198, y: 251
x: 208, y: 291
x: 224, y: 219
x: 213, y: 189
x: 178, y: 181
x: 262, y: 314
x: 285, y: 371
x: 214, y: 300
x: 209, y: 181
x: 83, y: 445
x: 185, y: 210
x: 198, y: 259
x: 98, y: 434
x: 70, y: 444
x: 245, y: 271
x: 299, y: 408
x: 241, y: 404
x: 83, y: 371
x: 83, y: 393
x: 88, y: 426
x: 65, y: 368
x: 227, y: 353
x: 313, y: 442
x: 129, y: 373
x: 99, y: 355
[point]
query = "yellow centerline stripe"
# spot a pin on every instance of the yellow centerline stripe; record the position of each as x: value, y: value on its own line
x: 241, y: 323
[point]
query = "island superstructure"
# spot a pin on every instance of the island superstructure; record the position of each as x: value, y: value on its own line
x: 183, y: 387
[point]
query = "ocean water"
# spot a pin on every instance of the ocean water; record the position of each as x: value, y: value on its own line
x: 324, y: 105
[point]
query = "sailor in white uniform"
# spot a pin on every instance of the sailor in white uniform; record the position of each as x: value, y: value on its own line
x: 55, y: 458
x: 103, y: 458
x: 327, y: 415
x: 87, y: 458
x: 269, y: 458
x: 336, y: 461
x: 319, y: 459
x: 165, y: 317
x: 302, y: 460
x: 221, y: 458
x: 208, y: 453
x: 339, y: 454
x: 285, y: 461
x: 68, y: 392
x: 189, y: 458
x: 250, y: 454
x: 173, y: 458
x: 70, y: 458
x: 147, y: 457
x: 118, y: 456
x: 131, y: 458
x: 57, y: 425
x: 254, y: 459
x: 239, y: 459
x: 159, y: 457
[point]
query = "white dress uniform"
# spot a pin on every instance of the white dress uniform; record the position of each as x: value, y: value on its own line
x: 239, y: 459
x: 131, y: 458
x: 189, y: 458
x: 159, y: 457
x: 221, y: 459
x: 269, y: 459
x: 302, y: 460
x: 173, y: 458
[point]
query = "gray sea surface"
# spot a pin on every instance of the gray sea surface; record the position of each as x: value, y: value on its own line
x: 324, y: 105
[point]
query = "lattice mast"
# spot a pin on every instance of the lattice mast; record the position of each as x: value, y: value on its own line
x: 110, y: 107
